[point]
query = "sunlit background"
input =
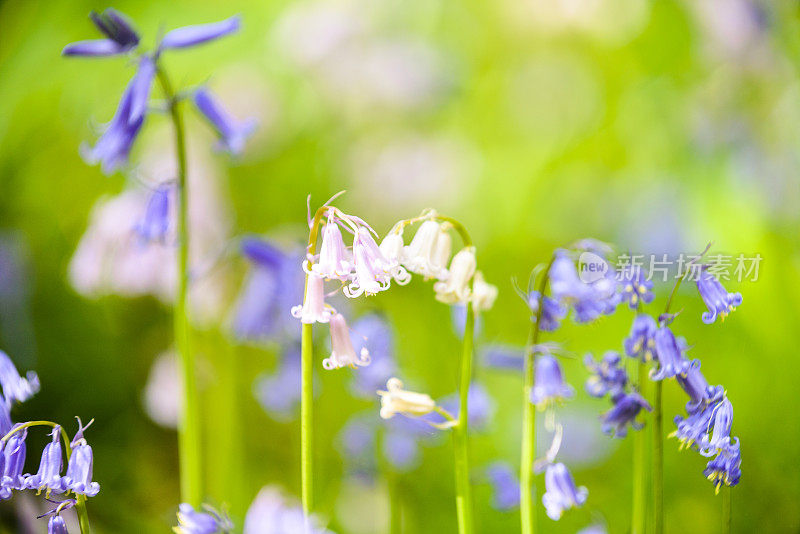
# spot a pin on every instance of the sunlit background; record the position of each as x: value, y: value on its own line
x: 656, y: 126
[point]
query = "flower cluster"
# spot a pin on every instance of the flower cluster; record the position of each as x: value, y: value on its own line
x: 121, y: 38
x: 13, y: 450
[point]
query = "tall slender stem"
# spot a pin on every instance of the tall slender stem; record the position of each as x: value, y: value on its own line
x: 189, y: 438
x: 639, y: 487
x: 658, y: 461
x: 395, y: 506
x: 726, y: 509
x: 460, y: 431
x: 526, y: 476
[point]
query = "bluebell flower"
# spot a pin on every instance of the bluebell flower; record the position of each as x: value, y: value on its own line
x: 725, y: 467
x: 5, y: 417
x: 121, y: 37
x: 669, y: 352
x: 56, y: 525
x: 14, y: 461
x: 505, y: 486
x: 279, y: 392
x: 232, y: 133
x: 561, y: 493
x: 634, y: 287
x: 552, y: 313
x: 155, y: 223
x: 194, y: 35
x: 191, y: 521
x: 49, y: 475
x: 607, y: 375
x: 641, y: 342
x: 696, y: 386
x: 373, y: 332
x: 503, y: 357
x: 623, y: 413
x: 549, y: 386
x: 693, y: 429
x: 79, y: 468
x: 589, y: 300
x: 718, y: 436
x: 16, y: 388
x: 480, y: 403
x: 718, y: 301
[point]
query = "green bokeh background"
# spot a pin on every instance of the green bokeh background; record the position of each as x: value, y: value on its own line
x: 655, y: 125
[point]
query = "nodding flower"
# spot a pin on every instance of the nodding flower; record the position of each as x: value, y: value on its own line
x: 423, y: 255
x: 79, y: 468
x: 719, y: 435
x: 589, y: 300
x: 397, y: 400
x: 696, y: 386
x: 191, y: 521
x: 456, y: 289
x: 693, y: 431
x: 483, y: 293
x: 641, y: 342
x: 121, y: 37
x: 313, y: 309
x: 14, y: 461
x: 669, y: 352
x: 725, y: 467
x: 16, y: 388
x: 371, y: 273
x: 392, y: 250
x: 342, y: 352
x: 334, y: 262
x: 634, y: 287
x: 552, y: 313
x: 561, y: 493
x: 549, y: 386
x: 607, y: 375
x: 154, y: 225
x: 717, y: 299
x: 49, y: 475
x: 623, y: 413
x: 56, y: 524
x: 233, y: 134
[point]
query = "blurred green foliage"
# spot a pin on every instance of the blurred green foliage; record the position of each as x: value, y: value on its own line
x: 657, y: 126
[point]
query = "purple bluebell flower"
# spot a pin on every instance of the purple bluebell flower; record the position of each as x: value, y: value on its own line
x: 503, y: 357
x: 725, y: 467
x: 189, y: 36
x: 79, y: 468
x: 718, y: 301
x: 561, y: 493
x: 588, y: 299
x: 155, y: 223
x: 718, y: 435
x: 14, y: 461
x: 623, y: 413
x: 121, y: 37
x: 373, y: 332
x: 16, y: 388
x: 505, y: 486
x: 232, y: 133
x: 49, y: 475
x: 696, y: 386
x: 694, y: 429
x: 279, y: 392
x: 191, y: 521
x: 56, y: 525
x: 5, y: 418
x: 634, y: 287
x: 607, y: 375
x: 641, y: 343
x: 552, y: 313
x: 669, y: 352
x: 549, y: 386
x: 480, y: 403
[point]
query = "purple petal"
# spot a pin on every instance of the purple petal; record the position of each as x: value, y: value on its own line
x: 200, y: 33
x: 233, y: 133
x: 93, y: 48
x: 140, y: 89
x: 116, y: 27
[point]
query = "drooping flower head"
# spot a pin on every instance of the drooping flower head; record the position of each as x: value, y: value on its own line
x: 191, y: 521
x: 397, y: 400
x: 342, y: 352
x: 641, y: 343
x: 48, y: 478
x: 392, y: 251
x: 371, y: 274
x: 16, y: 388
x: 483, y: 293
x: 717, y: 299
x: 429, y: 251
x: 694, y: 430
x: 14, y: 461
x: 561, y: 493
x: 670, y: 355
x: 549, y: 386
x: 334, y: 261
x: 505, y: 486
x: 623, y: 414
x: 552, y: 313
x: 607, y: 375
x: 720, y: 429
x: 456, y: 289
x: 79, y: 468
x: 313, y: 308
x: 589, y: 298
x: 232, y: 133
x: 121, y: 37
x: 634, y: 287
x: 696, y: 386
x: 56, y: 523
x: 725, y: 467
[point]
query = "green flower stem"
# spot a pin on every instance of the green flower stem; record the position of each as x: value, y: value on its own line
x: 658, y: 461
x: 639, y: 486
x: 80, y: 499
x: 307, y: 392
x: 726, y: 509
x: 460, y: 430
x: 395, y: 504
x: 189, y: 438
x: 526, y: 475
